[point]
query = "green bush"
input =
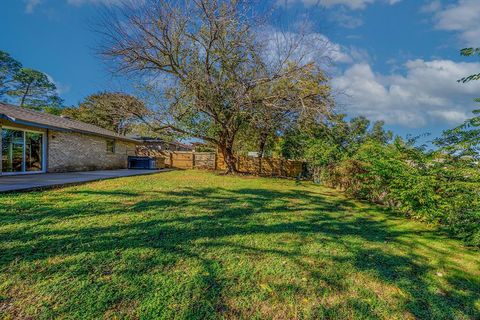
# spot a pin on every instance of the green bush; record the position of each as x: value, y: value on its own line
x: 440, y: 186
x: 423, y: 185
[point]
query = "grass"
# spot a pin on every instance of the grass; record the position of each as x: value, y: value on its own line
x: 195, y: 245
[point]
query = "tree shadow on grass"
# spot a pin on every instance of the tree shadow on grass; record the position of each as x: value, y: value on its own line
x: 204, y: 221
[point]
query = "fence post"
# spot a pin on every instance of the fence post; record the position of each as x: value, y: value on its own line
x: 193, y: 159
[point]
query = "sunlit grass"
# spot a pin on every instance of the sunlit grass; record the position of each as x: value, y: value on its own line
x: 195, y: 245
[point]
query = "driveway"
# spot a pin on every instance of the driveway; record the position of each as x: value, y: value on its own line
x: 49, y: 180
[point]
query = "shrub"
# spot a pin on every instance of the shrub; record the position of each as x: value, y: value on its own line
x: 424, y: 185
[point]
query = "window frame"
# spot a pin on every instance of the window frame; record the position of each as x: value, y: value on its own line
x: 110, y: 143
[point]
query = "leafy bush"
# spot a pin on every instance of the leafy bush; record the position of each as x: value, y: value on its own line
x: 424, y: 185
x: 440, y: 186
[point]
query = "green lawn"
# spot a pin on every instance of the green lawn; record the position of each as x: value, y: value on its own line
x: 195, y: 245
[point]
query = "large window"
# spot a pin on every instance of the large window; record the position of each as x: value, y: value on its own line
x: 21, y: 151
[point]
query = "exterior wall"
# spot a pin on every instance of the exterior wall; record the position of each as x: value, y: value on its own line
x: 68, y: 151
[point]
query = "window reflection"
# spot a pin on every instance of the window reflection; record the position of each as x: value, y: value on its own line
x: 12, y: 150
x: 33, y: 151
x: 21, y: 150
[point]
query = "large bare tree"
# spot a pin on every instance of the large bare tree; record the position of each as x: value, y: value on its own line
x: 214, y: 65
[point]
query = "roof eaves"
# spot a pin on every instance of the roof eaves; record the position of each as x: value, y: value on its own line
x: 31, y: 124
x: 4, y: 116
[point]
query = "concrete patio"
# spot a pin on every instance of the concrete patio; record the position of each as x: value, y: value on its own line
x: 49, y: 180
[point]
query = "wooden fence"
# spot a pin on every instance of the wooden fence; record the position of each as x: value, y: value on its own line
x: 276, y: 167
x: 192, y: 160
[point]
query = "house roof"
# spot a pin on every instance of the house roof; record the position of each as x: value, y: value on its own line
x: 29, y: 117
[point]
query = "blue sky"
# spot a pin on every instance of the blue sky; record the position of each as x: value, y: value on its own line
x: 394, y: 60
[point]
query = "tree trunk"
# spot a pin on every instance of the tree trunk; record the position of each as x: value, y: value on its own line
x: 261, y: 149
x: 22, y: 101
x: 229, y: 158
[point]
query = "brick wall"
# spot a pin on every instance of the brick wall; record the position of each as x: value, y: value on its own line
x: 69, y: 151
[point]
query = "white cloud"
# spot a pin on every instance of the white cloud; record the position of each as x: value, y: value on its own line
x: 281, y: 46
x: 352, y: 4
x: 430, y: 7
x: 328, y: 49
x: 30, y: 5
x: 345, y: 19
x: 427, y: 93
x: 462, y: 17
x: 61, y: 88
x: 81, y: 2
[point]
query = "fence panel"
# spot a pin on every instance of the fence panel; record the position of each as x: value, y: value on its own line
x: 204, y: 160
x: 293, y: 168
x: 275, y: 167
x: 272, y: 166
x: 181, y: 160
x: 248, y: 164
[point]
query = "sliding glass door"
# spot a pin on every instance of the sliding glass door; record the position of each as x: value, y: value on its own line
x: 33, y: 151
x: 22, y: 151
